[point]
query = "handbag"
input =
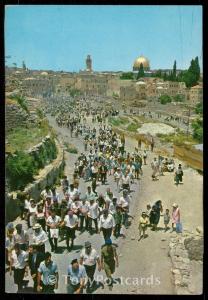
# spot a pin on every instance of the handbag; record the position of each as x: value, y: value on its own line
x: 179, y: 227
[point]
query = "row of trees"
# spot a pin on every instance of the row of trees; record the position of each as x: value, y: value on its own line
x: 190, y: 77
x: 197, y: 124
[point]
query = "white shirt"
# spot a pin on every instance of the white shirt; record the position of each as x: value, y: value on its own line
x: 126, y: 180
x: 40, y: 238
x: 53, y: 221
x: 84, y: 207
x: 90, y: 196
x: 112, y: 208
x: 108, y: 222
x: 21, y: 238
x: 20, y: 261
x: 89, y: 259
x: 93, y: 211
x: 123, y: 202
x: 76, y: 205
x: 70, y: 221
x: 27, y: 204
x: 32, y: 209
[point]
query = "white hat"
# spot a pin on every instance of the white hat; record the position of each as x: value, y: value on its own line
x: 37, y: 226
x: 175, y: 205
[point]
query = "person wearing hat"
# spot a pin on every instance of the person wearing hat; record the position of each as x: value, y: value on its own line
x: 89, y: 258
x: 34, y: 260
x: 143, y: 222
x: 71, y: 223
x: 53, y: 222
x: 175, y: 215
x: 76, y: 278
x: 48, y: 270
x: 109, y: 260
x: 39, y: 237
x: 21, y: 237
x: 18, y: 263
x: 106, y: 224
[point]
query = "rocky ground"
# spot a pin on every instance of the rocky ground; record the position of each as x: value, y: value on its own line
x: 145, y: 266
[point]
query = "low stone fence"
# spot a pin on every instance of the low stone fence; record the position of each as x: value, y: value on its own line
x: 192, y: 157
x: 15, y: 116
x: 46, y: 176
x: 184, y: 249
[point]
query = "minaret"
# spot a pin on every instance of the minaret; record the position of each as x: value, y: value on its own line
x: 89, y: 63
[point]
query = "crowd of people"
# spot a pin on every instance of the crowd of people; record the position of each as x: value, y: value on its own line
x: 59, y: 215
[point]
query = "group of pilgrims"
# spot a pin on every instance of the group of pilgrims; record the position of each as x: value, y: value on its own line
x: 59, y: 215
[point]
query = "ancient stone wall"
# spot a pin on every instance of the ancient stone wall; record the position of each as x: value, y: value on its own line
x: 15, y: 116
x: 46, y: 176
x: 185, y: 249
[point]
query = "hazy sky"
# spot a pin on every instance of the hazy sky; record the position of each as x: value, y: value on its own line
x: 59, y: 37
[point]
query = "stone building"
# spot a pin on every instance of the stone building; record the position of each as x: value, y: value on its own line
x: 195, y: 94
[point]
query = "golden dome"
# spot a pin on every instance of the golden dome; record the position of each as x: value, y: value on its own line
x: 141, y: 60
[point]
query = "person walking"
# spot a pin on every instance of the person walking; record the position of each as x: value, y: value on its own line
x: 76, y: 277
x: 48, y: 271
x: 143, y: 222
x: 179, y: 175
x: 71, y: 224
x: 18, y: 263
x: 53, y: 222
x: 39, y: 237
x: 34, y: 260
x: 175, y: 216
x: 89, y: 258
x: 93, y: 214
x: 21, y: 237
x: 109, y: 260
x: 107, y: 224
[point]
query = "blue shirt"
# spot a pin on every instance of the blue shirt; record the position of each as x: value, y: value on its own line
x: 47, y: 271
x: 76, y: 275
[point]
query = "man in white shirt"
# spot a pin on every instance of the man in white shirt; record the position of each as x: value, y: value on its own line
x: 89, y: 194
x: 89, y: 257
x: 71, y: 223
x: 39, y: 237
x: 84, y: 208
x: 93, y: 214
x: 18, y: 262
x: 53, y: 222
x: 126, y: 182
x: 21, y: 237
x: 106, y: 224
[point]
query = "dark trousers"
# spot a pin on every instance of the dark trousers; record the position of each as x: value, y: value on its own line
x: 90, y: 270
x: 71, y: 288
x: 106, y: 233
x: 117, y: 230
x: 103, y: 178
x: 48, y: 289
x: 82, y: 219
x: 41, y: 248
x: 70, y: 234
x: 18, y: 277
x: 53, y: 243
x: 90, y: 224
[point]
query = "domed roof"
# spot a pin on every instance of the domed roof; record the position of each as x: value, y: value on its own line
x: 141, y: 60
x: 44, y: 73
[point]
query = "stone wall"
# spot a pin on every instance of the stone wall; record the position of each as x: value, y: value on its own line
x: 15, y: 116
x: 185, y: 249
x: 47, y: 176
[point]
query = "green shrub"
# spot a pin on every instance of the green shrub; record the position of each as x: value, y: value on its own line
x: 164, y: 99
x: 20, y: 170
x: 179, y: 98
x: 133, y: 127
x: 197, y: 126
x: 70, y: 148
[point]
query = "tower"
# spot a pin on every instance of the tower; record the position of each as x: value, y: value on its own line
x: 23, y: 65
x: 89, y: 63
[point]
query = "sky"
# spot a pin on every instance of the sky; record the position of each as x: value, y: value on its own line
x: 59, y: 37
